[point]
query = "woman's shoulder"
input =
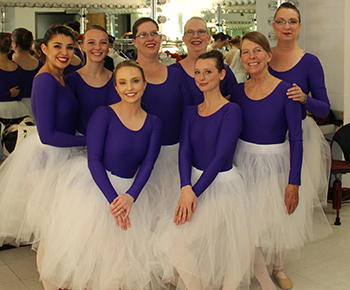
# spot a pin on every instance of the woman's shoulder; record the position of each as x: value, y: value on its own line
x: 310, y: 59
x: 9, y: 66
x: 74, y: 78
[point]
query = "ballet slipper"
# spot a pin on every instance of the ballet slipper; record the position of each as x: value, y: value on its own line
x: 283, y: 282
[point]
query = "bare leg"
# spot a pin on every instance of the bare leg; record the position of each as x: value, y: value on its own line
x: 260, y: 272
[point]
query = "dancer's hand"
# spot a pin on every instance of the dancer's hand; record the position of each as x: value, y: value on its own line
x: 291, y: 197
x: 121, y: 205
x: 296, y: 94
x: 186, y: 206
x: 14, y: 91
x: 123, y: 223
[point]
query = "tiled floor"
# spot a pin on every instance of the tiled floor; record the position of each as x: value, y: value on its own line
x: 324, y: 264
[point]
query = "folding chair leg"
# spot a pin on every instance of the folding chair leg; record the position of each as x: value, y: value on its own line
x: 337, y: 197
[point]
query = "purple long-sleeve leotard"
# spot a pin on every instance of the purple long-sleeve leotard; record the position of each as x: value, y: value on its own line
x: 123, y: 152
x: 10, y: 79
x: 89, y: 98
x: 167, y: 101
x: 56, y: 112
x: 208, y: 144
x: 266, y: 121
x: 308, y: 75
x: 28, y: 76
x: 226, y: 86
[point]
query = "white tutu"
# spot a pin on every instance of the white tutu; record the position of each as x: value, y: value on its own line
x: 215, y: 247
x: 166, y: 178
x: 27, y: 179
x: 28, y: 103
x: 82, y: 246
x: 266, y: 172
x: 316, y: 159
x: 14, y: 109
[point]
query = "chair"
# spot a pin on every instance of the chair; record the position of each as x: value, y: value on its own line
x: 339, y: 167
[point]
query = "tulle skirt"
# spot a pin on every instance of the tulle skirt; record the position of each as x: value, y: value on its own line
x: 166, y: 178
x: 28, y: 177
x: 14, y: 109
x: 215, y: 248
x: 316, y: 159
x: 82, y: 246
x: 266, y: 172
x: 28, y: 103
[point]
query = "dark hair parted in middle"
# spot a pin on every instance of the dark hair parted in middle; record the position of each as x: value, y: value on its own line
x: 217, y: 56
x: 288, y: 5
x: 140, y: 21
x: 55, y: 30
x: 258, y: 38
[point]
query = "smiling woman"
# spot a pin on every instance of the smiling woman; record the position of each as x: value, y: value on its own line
x: 30, y: 172
x: 93, y: 85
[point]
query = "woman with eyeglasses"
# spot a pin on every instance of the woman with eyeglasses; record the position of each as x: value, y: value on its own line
x: 197, y: 39
x: 294, y: 65
x: 284, y: 216
x: 165, y: 96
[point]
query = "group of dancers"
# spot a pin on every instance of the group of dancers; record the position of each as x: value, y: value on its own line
x: 178, y: 177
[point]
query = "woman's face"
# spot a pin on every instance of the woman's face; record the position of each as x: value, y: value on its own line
x: 207, y: 76
x: 147, y: 44
x: 59, y: 51
x: 221, y: 43
x: 286, y: 25
x: 254, y: 58
x: 197, y: 41
x: 95, y: 45
x: 130, y: 84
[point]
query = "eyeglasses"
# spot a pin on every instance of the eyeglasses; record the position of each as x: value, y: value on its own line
x: 145, y: 34
x: 290, y: 22
x: 200, y: 32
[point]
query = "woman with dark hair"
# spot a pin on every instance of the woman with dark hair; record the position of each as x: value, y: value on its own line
x: 281, y: 218
x: 294, y: 65
x: 220, y: 40
x: 196, y: 39
x: 22, y: 40
x: 28, y: 176
x: 36, y: 50
x: 108, y: 248
x: 11, y: 76
x: 208, y: 242
x: 165, y: 96
x: 93, y: 85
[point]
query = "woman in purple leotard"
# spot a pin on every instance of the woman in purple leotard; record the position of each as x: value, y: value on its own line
x: 28, y: 176
x: 196, y: 39
x: 102, y: 217
x: 292, y: 64
x: 207, y: 241
x: 93, y: 85
x: 281, y: 219
x: 11, y: 76
x: 165, y: 96
x: 22, y: 40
